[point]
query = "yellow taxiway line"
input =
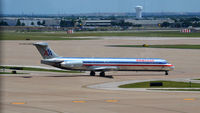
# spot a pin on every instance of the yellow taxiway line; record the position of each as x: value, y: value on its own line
x: 78, y: 101
x: 189, y: 99
x: 18, y: 103
x: 111, y: 100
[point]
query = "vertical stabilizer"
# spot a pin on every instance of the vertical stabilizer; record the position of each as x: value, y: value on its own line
x: 45, y: 51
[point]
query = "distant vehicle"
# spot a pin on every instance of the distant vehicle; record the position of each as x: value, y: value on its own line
x: 101, y: 64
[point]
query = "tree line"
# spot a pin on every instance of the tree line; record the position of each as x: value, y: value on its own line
x: 183, y: 22
x: 19, y: 23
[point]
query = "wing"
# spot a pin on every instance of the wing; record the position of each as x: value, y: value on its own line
x: 103, y: 68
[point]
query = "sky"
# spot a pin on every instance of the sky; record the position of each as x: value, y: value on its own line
x: 95, y: 6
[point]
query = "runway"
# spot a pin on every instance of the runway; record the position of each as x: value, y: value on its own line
x: 67, y: 93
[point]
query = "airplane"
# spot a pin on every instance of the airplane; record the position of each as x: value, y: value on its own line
x: 101, y: 64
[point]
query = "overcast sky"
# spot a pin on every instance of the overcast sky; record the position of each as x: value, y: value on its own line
x: 95, y: 6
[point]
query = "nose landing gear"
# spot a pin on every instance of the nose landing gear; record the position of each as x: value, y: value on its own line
x: 166, y: 73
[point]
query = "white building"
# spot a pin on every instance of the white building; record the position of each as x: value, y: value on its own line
x: 97, y: 23
x: 150, y: 23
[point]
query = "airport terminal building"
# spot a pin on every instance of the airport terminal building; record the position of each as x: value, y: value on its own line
x: 149, y: 23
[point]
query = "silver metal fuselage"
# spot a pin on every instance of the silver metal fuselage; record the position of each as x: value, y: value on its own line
x: 110, y: 64
x: 101, y: 64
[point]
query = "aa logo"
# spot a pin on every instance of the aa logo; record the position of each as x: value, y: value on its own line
x: 48, y: 52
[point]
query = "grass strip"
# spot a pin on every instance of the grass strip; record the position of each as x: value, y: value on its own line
x: 12, y: 73
x: 196, y: 79
x: 37, y: 69
x: 177, y: 89
x: 38, y: 36
x: 166, y: 84
x: 177, y: 46
x: 6, y: 35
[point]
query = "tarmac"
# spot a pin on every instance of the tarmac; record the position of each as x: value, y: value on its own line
x: 50, y: 92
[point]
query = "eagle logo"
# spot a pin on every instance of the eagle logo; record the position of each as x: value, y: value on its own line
x: 47, y: 52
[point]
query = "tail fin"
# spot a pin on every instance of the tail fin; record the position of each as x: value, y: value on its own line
x: 44, y: 50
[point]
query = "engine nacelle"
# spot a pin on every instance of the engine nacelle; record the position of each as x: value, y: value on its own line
x: 72, y: 64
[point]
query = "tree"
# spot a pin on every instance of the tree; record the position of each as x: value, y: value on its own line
x: 113, y: 18
x: 2, y: 23
x: 62, y: 23
x: 73, y: 22
x: 32, y: 23
x: 18, y: 23
x: 178, y: 25
x: 69, y: 23
x: 193, y: 19
x: 43, y: 22
x: 165, y: 24
x: 196, y: 24
x: 39, y: 23
x: 23, y: 24
x: 186, y: 23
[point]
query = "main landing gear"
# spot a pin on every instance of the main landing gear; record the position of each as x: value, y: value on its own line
x: 102, y: 74
x: 92, y: 73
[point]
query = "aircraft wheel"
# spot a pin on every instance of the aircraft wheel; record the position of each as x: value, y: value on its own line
x: 92, y: 73
x: 102, y: 74
x: 166, y: 73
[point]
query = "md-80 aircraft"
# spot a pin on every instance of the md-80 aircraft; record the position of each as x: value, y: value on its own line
x: 101, y: 64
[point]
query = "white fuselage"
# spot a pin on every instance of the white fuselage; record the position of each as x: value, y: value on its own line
x: 118, y: 64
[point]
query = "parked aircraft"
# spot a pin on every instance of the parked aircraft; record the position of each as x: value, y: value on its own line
x: 101, y: 64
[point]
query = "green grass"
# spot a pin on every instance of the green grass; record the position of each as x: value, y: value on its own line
x: 177, y: 89
x: 140, y: 34
x: 39, y: 69
x: 166, y: 84
x: 38, y: 36
x: 64, y: 36
x: 12, y: 73
x: 196, y: 79
x: 178, y: 46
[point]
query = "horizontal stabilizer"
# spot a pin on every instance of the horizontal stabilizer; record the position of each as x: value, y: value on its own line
x: 41, y: 44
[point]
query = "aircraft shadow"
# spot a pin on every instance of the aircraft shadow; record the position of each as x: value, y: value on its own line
x: 143, y: 75
x: 108, y: 76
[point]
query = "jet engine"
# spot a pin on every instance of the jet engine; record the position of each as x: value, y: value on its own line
x: 72, y: 64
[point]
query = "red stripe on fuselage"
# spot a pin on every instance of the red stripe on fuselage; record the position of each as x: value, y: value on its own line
x: 124, y: 65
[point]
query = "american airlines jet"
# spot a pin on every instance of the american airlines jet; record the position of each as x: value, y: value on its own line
x: 101, y: 64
